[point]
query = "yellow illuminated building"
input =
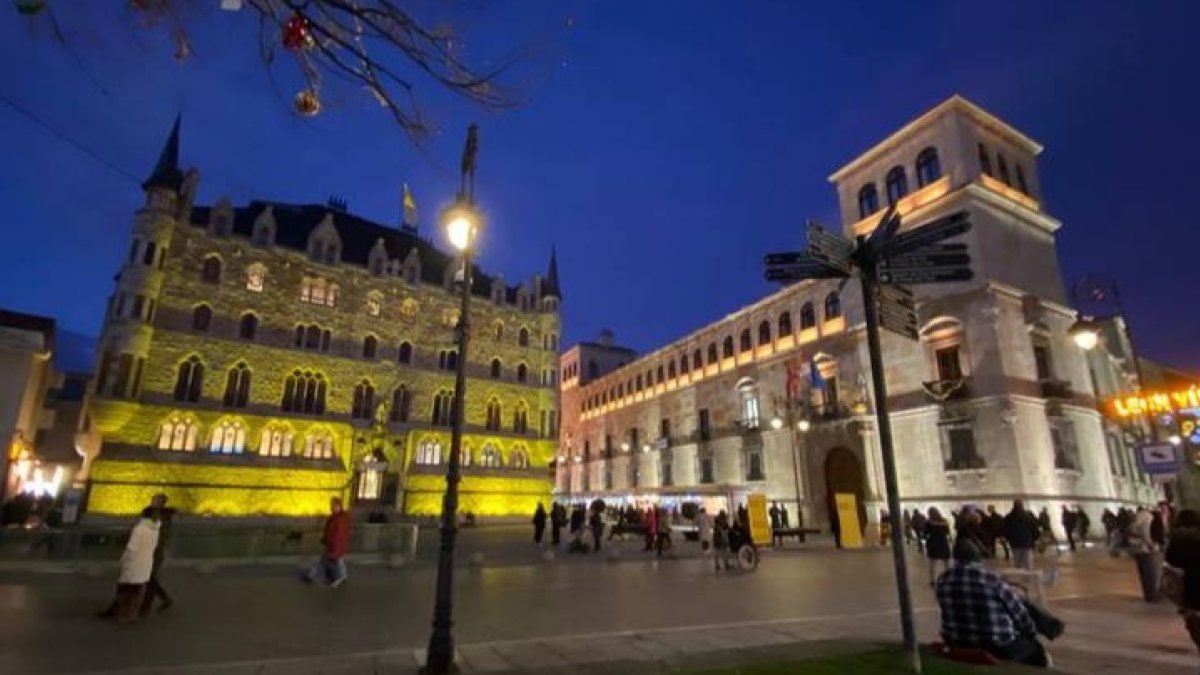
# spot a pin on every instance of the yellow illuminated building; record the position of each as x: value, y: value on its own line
x: 259, y: 359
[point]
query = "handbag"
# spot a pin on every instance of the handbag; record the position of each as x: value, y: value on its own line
x: 1046, y: 623
x: 1170, y: 584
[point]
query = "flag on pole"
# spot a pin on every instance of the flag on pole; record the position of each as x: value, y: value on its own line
x: 814, y: 373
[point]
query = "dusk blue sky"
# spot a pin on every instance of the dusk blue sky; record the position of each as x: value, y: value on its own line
x: 665, y: 145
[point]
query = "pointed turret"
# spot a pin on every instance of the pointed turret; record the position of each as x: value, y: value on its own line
x: 166, y: 173
x: 550, y: 286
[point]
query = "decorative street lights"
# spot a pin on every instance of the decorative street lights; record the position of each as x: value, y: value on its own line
x: 462, y: 223
x: 795, y: 419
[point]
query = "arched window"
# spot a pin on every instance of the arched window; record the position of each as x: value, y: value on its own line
x: 364, y: 401
x: 189, y: 381
x: 254, y: 277
x: 400, y: 404
x: 277, y: 441
x: 248, y: 327
x: 712, y: 353
x: 326, y: 338
x: 746, y: 343
x: 370, y: 346
x: 808, y: 316
x: 489, y: 457
x: 683, y: 364
x: 405, y: 355
x: 639, y: 382
x: 318, y: 445
x: 495, y: 370
x: 671, y: 369
x: 443, y: 409
x: 228, y: 438
x: 448, y: 360
x: 304, y: 392
x: 697, y: 361
x: 523, y: 337
x: 521, y: 418
x: 237, y: 387
x: 833, y: 306
x: 727, y: 348
x: 928, y: 167
x: 429, y: 453
x: 1002, y: 169
x: 748, y: 395
x: 312, y: 337
x: 764, y: 333
x: 785, y: 324
x: 210, y: 272
x: 522, y: 373
x: 201, y: 318
x: 464, y: 455
x: 177, y: 433
x: 493, y: 415
x: 868, y: 200
x: 658, y: 375
x: 518, y: 458
x: 897, y: 184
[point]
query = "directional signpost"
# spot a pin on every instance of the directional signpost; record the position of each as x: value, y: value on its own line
x: 883, y: 261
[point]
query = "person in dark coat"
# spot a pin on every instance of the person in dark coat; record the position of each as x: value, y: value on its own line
x: 1184, y: 554
x: 1070, y: 522
x: 1082, y: 523
x: 993, y: 523
x: 776, y: 524
x: 835, y: 524
x: 937, y: 543
x: 558, y: 518
x: 1109, y: 520
x: 1044, y: 527
x: 154, y: 587
x: 918, y: 525
x: 1021, y: 531
x: 596, y: 523
x: 539, y: 524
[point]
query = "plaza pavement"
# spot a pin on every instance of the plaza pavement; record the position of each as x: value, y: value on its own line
x: 518, y: 613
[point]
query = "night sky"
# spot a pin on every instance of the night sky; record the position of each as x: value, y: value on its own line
x: 665, y: 146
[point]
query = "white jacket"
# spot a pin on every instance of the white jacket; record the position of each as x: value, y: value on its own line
x: 138, y: 559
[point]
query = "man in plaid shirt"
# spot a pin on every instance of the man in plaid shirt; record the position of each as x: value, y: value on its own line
x: 980, y: 610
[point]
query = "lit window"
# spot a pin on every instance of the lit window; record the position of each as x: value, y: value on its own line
x: 929, y: 168
x: 277, y: 440
x: 748, y: 393
x: 318, y: 445
x: 833, y: 306
x: 374, y: 304
x: 429, y: 453
x: 489, y: 457
x: 228, y: 438
x: 254, y: 277
x: 177, y: 433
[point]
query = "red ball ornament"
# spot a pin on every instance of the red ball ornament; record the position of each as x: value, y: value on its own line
x: 297, y: 35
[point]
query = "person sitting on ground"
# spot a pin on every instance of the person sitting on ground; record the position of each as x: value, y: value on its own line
x: 980, y: 611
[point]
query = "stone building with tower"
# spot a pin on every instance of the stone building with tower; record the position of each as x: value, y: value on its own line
x: 993, y: 401
x: 259, y: 359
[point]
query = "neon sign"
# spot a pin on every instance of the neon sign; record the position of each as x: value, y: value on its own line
x: 1135, y: 405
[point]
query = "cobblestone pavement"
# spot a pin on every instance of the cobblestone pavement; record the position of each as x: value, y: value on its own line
x: 517, y: 613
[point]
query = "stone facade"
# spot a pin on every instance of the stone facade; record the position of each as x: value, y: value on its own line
x: 258, y: 360
x: 993, y: 402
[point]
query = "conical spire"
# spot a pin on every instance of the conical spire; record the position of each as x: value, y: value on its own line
x: 550, y: 287
x: 166, y: 173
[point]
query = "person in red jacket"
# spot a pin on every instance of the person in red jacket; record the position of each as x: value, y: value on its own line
x: 336, y: 539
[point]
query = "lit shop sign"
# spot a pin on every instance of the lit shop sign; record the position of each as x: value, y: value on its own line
x: 1173, y: 402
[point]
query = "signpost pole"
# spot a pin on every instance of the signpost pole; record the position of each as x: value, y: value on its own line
x: 869, y: 289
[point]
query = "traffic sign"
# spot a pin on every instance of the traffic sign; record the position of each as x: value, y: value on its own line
x: 812, y: 270
x: 897, y: 310
x: 924, y: 235
x: 903, y: 328
x: 922, y: 259
x: 897, y: 295
x: 936, y: 275
x: 1159, y: 459
x: 829, y: 247
x: 786, y: 258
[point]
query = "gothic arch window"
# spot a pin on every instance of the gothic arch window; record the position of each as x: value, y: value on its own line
x: 189, y: 380
x: 255, y: 275
x: 248, y: 326
x: 405, y: 353
x: 178, y: 432
x: 202, y: 318
x: 868, y: 200
x: 808, y: 316
x: 277, y: 441
x: 210, y: 271
x: 304, y: 392
x: 448, y: 360
x: 833, y: 306
x: 495, y: 369
x: 523, y: 337
x: 522, y: 373
x: 443, y: 409
x: 897, y: 184
x: 785, y: 324
x: 429, y: 452
x: 228, y: 438
x: 370, y: 347
x: 929, y: 168
x: 318, y: 444
x: 727, y: 348
x: 489, y: 457
x: 364, y: 401
x: 746, y: 343
x: 401, y: 400
x: 237, y: 387
x: 748, y: 397
x: 764, y: 333
x: 464, y: 455
x: 521, y: 418
x: 493, y: 415
x: 518, y: 457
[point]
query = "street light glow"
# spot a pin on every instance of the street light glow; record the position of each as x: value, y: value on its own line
x: 1084, y: 334
x: 460, y: 231
x: 803, y: 425
x: 1175, y: 439
x: 776, y: 423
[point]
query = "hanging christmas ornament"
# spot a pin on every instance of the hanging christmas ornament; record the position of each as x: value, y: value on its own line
x: 30, y: 7
x: 297, y: 34
x: 307, y: 103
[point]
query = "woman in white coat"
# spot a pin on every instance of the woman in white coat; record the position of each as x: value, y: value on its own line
x: 137, y: 562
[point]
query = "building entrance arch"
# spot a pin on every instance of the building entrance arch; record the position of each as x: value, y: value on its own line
x: 844, y: 475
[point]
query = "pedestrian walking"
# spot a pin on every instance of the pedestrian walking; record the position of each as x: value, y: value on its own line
x: 937, y: 543
x: 704, y: 528
x: 1109, y: 520
x: 776, y: 524
x: 597, y: 526
x: 1069, y: 522
x: 994, y: 526
x: 558, y: 518
x: 721, y: 548
x: 1045, y: 535
x: 331, y: 567
x: 783, y: 515
x: 663, y: 540
x: 906, y: 523
x: 1082, y: 523
x: 651, y: 523
x: 1183, y: 554
x: 154, y: 586
x: 918, y: 525
x: 137, y: 564
x: 1021, y: 531
x: 539, y: 524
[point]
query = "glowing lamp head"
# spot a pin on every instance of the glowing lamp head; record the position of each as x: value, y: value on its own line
x: 1175, y: 439
x: 461, y: 223
x: 776, y: 424
x: 1085, y: 334
x: 803, y: 425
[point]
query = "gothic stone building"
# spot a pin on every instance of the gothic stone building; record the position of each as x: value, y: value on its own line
x: 993, y: 402
x: 258, y: 360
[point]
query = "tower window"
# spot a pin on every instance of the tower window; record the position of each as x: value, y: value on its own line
x: 189, y: 380
x: 254, y: 278
x: 929, y: 168
x: 405, y: 353
x: 248, y: 327
x: 201, y: 318
x: 237, y: 387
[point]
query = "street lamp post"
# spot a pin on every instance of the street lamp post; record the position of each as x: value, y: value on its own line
x: 462, y: 223
x: 795, y: 424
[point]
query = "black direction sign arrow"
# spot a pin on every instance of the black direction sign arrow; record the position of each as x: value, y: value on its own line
x: 920, y: 259
x: 787, y: 258
x: 829, y: 247
x: 924, y: 235
x: 934, y: 275
x: 811, y: 270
